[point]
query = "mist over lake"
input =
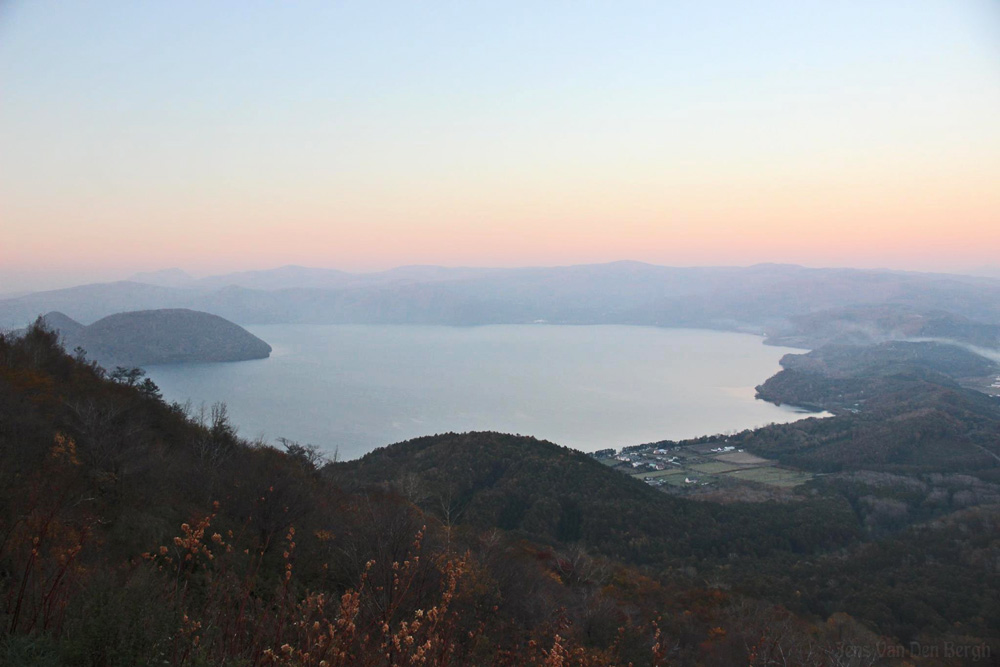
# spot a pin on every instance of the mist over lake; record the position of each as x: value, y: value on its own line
x: 352, y: 388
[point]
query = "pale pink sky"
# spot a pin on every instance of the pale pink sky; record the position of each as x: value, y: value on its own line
x: 144, y: 137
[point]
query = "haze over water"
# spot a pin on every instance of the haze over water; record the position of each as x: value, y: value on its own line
x: 353, y: 388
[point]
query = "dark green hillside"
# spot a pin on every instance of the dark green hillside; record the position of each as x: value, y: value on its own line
x: 556, y: 494
x: 917, y: 426
x: 899, y: 408
x: 839, y: 377
x: 847, y: 361
x: 810, y: 553
x: 933, y: 579
x: 921, y: 427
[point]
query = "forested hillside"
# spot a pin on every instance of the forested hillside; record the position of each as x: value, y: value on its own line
x: 133, y: 532
x: 899, y: 407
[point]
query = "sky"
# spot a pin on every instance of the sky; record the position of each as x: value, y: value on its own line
x: 222, y: 136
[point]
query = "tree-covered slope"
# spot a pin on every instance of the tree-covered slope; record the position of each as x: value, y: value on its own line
x: 556, y: 494
x: 899, y: 407
x: 134, y: 533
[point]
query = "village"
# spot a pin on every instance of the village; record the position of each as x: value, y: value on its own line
x: 687, y: 469
x: 988, y: 385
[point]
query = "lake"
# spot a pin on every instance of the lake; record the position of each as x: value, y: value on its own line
x: 351, y: 388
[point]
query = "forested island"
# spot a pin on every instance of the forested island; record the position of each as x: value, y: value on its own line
x: 134, y: 532
x: 165, y: 336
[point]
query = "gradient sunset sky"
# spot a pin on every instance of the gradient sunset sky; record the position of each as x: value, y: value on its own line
x: 220, y: 136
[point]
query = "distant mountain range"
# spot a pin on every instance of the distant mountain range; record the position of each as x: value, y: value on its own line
x: 158, y: 337
x: 291, y: 276
x: 776, y: 299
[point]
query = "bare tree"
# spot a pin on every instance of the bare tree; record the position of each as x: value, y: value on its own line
x: 217, y: 437
x: 112, y: 436
x: 309, y: 456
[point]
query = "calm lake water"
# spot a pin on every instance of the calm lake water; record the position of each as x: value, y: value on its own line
x: 353, y: 388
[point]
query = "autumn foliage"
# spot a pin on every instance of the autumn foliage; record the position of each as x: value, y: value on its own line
x: 136, y: 532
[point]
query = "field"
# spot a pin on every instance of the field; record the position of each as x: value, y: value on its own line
x: 714, y: 467
x: 657, y: 474
x: 772, y: 475
x: 704, y: 465
x: 741, y: 458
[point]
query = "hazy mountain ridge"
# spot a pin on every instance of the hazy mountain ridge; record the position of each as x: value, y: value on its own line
x: 777, y: 299
x: 867, y: 324
x: 164, y: 278
x: 304, y: 277
x: 88, y: 303
x: 165, y: 336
